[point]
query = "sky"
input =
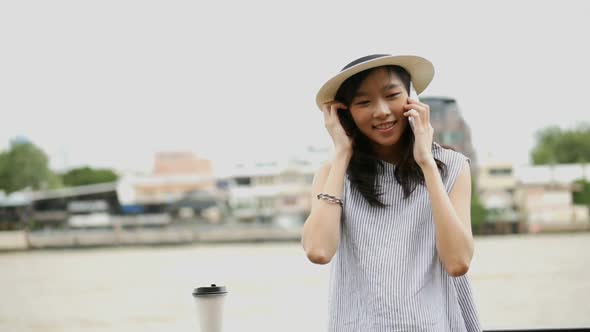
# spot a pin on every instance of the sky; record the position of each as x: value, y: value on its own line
x: 110, y: 83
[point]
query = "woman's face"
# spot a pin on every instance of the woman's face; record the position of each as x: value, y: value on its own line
x: 378, y: 106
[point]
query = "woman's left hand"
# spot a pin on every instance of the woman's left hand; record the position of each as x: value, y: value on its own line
x: 418, y: 115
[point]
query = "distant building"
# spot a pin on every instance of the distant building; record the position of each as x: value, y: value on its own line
x: 274, y: 191
x: 559, y: 173
x: 81, y: 206
x: 538, y: 198
x: 546, y: 206
x: 175, y: 174
x: 449, y: 126
x: 162, y: 189
x: 182, y: 184
x: 545, y: 197
x: 178, y: 163
x: 496, y: 186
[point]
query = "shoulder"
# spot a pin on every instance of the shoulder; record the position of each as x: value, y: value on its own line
x: 449, y: 156
x: 455, y: 163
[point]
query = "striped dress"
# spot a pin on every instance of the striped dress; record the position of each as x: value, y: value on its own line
x: 386, y: 274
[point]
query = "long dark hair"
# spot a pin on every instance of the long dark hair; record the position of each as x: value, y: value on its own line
x: 362, y: 169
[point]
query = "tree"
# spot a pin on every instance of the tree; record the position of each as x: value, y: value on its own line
x: 478, y: 211
x: 25, y: 165
x: 583, y: 195
x: 557, y: 146
x: 86, y: 175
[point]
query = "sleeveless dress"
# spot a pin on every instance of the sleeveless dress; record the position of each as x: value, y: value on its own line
x: 386, y: 274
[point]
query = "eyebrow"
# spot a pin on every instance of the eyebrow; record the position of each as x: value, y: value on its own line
x: 385, y: 88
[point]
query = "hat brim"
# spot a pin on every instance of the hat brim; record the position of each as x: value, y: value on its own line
x: 420, y: 69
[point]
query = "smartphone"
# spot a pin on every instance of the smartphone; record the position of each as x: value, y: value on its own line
x: 414, y: 96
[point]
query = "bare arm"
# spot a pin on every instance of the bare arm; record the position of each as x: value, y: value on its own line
x: 321, y: 231
x: 451, y: 212
x: 452, y: 218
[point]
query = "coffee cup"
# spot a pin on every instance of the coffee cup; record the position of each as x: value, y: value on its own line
x: 210, y: 301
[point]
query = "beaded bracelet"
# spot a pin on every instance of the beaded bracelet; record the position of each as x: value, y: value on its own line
x: 330, y: 198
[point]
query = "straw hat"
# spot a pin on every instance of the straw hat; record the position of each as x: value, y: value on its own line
x: 421, y: 72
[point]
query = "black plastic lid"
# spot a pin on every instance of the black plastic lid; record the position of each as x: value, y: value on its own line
x: 212, y: 290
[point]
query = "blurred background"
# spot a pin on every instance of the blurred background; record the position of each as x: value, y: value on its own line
x: 148, y: 148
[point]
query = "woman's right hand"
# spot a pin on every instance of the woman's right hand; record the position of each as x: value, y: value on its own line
x: 342, y: 142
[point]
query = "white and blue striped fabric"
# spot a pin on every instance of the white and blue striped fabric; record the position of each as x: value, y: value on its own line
x: 386, y: 274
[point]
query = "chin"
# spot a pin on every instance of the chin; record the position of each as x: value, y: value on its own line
x: 385, y: 142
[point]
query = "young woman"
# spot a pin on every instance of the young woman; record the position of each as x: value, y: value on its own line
x: 391, y: 210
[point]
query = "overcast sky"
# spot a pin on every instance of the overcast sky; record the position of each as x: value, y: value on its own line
x: 109, y: 83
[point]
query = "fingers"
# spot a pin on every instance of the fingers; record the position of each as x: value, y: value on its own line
x: 422, y: 109
x: 333, y: 105
x: 414, y: 118
x: 330, y: 109
x: 417, y: 122
x: 326, y: 112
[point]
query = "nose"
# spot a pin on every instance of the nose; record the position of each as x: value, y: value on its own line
x: 382, y: 109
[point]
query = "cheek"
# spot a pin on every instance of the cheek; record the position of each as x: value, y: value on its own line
x: 360, y: 117
x: 398, y: 107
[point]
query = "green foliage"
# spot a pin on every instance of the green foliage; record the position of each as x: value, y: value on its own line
x: 558, y: 146
x: 86, y: 175
x: 478, y: 211
x: 25, y: 165
x: 582, y: 196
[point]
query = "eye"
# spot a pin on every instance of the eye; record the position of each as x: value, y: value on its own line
x: 393, y: 95
x: 362, y: 103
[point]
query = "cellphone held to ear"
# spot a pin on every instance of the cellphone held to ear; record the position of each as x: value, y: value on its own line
x: 414, y: 96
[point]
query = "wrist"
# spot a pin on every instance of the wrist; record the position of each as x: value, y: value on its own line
x: 343, y: 153
x: 427, y: 164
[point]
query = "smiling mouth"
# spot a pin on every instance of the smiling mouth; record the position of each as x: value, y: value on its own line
x: 385, y: 126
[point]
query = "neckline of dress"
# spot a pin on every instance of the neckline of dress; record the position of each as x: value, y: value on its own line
x: 386, y: 169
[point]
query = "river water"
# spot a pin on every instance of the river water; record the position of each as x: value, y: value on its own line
x: 519, y: 281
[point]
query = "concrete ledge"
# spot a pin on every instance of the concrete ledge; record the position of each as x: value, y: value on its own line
x: 155, y: 236
x: 248, y: 234
x: 13, y: 240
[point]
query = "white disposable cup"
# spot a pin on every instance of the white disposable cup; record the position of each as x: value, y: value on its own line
x: 210, y: 301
